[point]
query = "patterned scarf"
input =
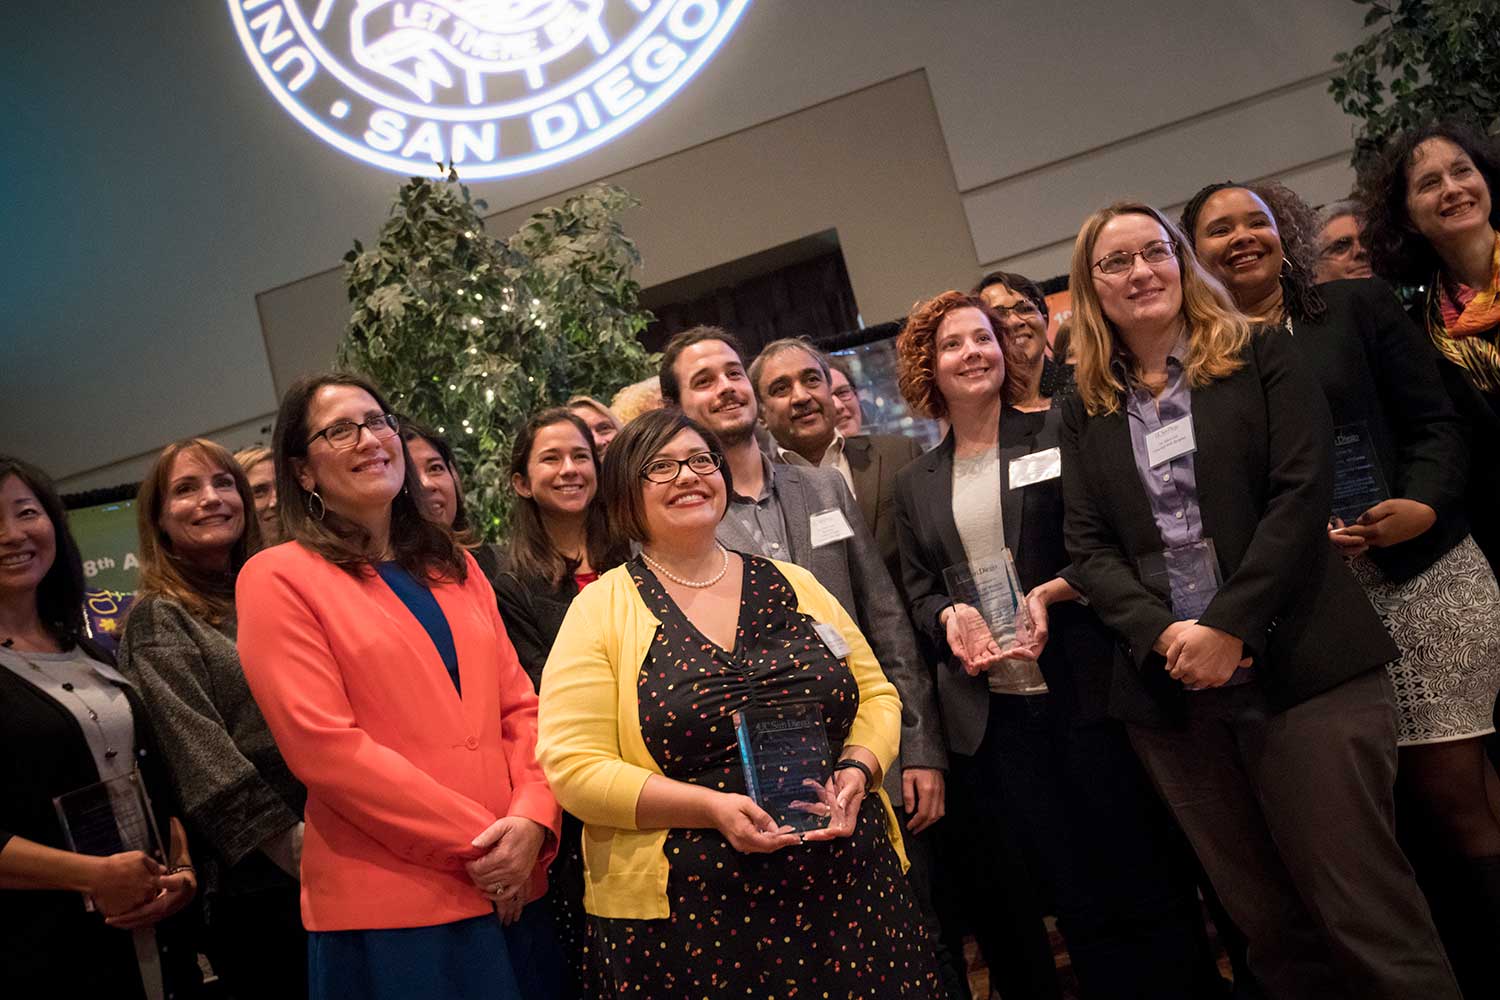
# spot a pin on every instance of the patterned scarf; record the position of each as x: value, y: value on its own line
x: 1456, y: 320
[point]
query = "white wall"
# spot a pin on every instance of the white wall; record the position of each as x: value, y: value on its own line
x: 154, y: 187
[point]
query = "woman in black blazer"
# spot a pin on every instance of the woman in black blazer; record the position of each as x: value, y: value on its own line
x: 1258, y: 704
x: 1412, y: 551
x: 558, y: 545
x: 67, y: 719
x: 1035, y: 755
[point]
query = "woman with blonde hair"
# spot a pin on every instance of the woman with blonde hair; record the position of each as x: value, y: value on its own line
x: 602, y: 423
x: 195, y: 517
x: 1198, y: 475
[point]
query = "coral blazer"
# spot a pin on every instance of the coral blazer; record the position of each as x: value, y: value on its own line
x: 401, y: 772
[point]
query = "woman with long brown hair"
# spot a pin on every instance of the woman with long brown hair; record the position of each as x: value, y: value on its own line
x: 195, y: 514
x: 373, y: 646
x: 1198, y: 472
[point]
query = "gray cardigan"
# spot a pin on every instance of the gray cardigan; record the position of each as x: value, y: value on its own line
x: 236, y: 791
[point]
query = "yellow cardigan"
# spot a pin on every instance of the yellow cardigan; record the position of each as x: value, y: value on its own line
x: 589, y: 734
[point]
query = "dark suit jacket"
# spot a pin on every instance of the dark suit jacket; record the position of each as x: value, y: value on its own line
x: 874, y: 460
x: 1076, y: 660
x: 1264, y: 468
x: 1480, y: 412
x: 1375, y: 366
x: 853, y: 572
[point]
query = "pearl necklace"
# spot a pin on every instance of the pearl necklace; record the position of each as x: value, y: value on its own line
x: 696, y: 584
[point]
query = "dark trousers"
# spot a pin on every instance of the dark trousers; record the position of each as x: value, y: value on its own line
x: 256, y: 944
x: 983, y: 883
x: 1292, y: 817
x: 1116, y: 873
x: 921, y: 851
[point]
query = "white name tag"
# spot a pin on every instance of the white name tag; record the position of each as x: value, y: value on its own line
x: 827, y: 527
x: 1038, y: 467
x: 1172, y: 441
x: 833, y: 639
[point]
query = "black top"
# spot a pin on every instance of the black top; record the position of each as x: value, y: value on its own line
x: 1376, y: 367
x: 1074, y: 662
x: 1265, y: 486
x: 53, y: 946
x: 532, y: 611
x: 1480, y: 412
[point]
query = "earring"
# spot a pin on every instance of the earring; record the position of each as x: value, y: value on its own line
x: 315, y: 507
x: 1287, y: 267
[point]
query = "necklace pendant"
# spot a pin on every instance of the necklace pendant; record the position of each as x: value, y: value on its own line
x: 110, y: 753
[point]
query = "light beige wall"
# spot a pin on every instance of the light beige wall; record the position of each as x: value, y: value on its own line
x: 895, y: 206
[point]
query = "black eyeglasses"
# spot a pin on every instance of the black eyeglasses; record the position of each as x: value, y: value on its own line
x: 1155, y: 252
x: 1341, y: 247
x: 1025, y: 309
x: 666, y: 470
x: 343, y: 434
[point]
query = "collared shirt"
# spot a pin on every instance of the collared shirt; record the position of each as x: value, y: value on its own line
x: 1172, y: 486
x: 833, y: 458
x: 761, y: 517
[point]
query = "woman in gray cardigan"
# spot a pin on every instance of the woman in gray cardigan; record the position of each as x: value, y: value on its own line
x: 194, y: 514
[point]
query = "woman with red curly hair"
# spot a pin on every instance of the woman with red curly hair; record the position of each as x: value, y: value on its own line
x: 1033, y: 756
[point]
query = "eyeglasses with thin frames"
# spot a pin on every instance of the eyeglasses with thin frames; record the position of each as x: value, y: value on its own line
x: 666, y: 470
x: 1025, y: 309
x: 344, y: 434
x: 1155, y: 252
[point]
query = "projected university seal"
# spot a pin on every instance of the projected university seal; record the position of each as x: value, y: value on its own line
x: 499, y: 87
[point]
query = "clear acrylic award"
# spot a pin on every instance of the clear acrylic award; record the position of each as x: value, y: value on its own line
x: 787, y: 763
x: 1358, y: 483
x: 1187, y: 576
x: 110, y: 817
x: 990, y: 604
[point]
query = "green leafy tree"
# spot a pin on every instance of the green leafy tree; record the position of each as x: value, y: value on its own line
x: 1428, y: 59
x: 471, y: 335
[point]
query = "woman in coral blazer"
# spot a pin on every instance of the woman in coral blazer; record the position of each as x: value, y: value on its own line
x: 373, y: 646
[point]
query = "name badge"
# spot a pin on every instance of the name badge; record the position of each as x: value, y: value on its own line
x: 1172, y: 441
x: 827, y: 527
x: 1038, y: 467
x: 832, y: 638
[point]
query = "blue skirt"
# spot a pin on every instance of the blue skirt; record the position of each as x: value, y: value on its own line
x: 465, y: 960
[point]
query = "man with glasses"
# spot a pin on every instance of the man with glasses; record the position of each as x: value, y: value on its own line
x: 1341, y: 248
x: 807, y: 516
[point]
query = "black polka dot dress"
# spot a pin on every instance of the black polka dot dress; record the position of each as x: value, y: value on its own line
x: 822, y: 919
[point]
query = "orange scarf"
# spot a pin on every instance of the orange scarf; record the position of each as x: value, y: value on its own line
x: 1458, y: 339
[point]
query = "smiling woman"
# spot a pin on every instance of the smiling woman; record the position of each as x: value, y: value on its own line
x: 197, y: 527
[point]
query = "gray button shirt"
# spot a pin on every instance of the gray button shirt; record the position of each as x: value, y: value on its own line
x: 761, y: 517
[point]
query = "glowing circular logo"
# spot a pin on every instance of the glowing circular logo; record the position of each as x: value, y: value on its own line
x: 499, y: 87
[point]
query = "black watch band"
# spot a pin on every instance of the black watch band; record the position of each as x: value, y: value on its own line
x: 847, y: 762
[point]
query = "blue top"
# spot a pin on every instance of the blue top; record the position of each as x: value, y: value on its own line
x: 424, y: 607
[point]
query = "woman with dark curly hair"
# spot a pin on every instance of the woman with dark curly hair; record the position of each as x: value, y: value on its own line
x: 1412, y: 553
x: 1033, y: 756
x: 1432, y: 224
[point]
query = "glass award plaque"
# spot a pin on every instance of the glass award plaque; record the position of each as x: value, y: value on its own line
x: 990, y: 603
x: 1358, y: 483
x: 787, y: 763
x: 1187, y: 576
x: 110, y: 817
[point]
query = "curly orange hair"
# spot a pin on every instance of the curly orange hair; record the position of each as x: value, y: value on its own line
x: 916, y: 349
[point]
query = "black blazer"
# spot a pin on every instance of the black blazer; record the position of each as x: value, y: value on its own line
x: 52, y: 944
x: 1264, y: 469
x: 1480, y: 412
x: 1076, y: 658
x: 874, y: 461
x: 1376, y: 367
x: 533, y: 613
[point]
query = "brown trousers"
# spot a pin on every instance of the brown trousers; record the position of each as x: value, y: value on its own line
x: 1292, y: 816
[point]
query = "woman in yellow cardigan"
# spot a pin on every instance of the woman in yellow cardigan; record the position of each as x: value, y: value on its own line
x: 692, y: 888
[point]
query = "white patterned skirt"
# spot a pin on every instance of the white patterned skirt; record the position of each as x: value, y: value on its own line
x: 1446, y: 622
